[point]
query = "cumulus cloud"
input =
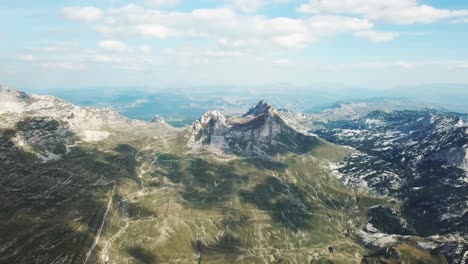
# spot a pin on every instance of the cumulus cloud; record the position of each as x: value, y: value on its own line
x: 26, y: 57
x: 405, y: 65
x: 55, y: 47
x: 86, y: 14
x: 229, y: 28
x: 60, y: 65
x: 161, y: 3
x: 113, y: 45
x: 152, y: 31
x: 391, y: 11
x: 377, y: 36
x: 283, y: 62
x: 248, y: 5
x: 251, y: 6
x: 146, y: 49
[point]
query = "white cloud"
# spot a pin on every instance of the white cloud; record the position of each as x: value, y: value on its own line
x: 57, y: 65
x: 304, y: 32
x: 113, y: 45
x: 405, y: 65
x: 229, y: 28
x: 248, y: 5
x: 26, y: 57
x: 55, y: 47
x: 161, y: 3
x: 377, y: 36
x: 101, y: 58
x: 86, y: 14
x: 221, y: 53
x: 152, y: 31
x: 146, y: 49
x: 338, y: 24
x: 459, y: 65
x: 251, y: 6
x: 128, y: 60
x: 392, y: 11
x: 283, y: 62
x: 296, y: 40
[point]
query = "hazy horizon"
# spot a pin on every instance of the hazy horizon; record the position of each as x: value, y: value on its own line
x: 181, y: 106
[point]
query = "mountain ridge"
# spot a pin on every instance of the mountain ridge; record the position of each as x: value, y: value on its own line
x: 40, y: 117
x: 251, y: 188
x: 261, y: 131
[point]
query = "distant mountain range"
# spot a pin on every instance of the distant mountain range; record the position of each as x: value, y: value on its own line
x: 181, y: 107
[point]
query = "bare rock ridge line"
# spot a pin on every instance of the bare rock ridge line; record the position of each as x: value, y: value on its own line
x: 261, y: 132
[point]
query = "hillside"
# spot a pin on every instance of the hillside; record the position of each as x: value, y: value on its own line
x: 248, y: 189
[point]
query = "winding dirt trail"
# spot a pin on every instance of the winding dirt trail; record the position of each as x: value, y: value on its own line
x: 101, y: 227
x: 105, y: 252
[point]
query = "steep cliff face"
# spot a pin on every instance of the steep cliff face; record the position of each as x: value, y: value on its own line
x: 259, y: 132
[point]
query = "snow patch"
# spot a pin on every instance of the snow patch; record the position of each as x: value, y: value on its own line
x: 427, y: 245
x: 464, y: 164
x: 371, y: 121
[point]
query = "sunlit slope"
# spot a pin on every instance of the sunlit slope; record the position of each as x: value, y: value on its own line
x: 249, y: 189
x: 199, y: 207
x: 52, y: 212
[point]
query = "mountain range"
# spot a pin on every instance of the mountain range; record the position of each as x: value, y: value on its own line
x: 87, y: 185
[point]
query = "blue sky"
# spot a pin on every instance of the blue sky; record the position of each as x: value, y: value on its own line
x: 181, y: 43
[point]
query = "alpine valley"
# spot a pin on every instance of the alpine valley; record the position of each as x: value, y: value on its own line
x: 87, y: 185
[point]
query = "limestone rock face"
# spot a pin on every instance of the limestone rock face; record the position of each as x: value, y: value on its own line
x: 259, y: 132
x: 46, y: 125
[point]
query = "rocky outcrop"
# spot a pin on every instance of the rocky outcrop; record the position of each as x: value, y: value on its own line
x: 89, y: 123
x: 259, y: 132
x: 46, y: 126
x: 158, y: 119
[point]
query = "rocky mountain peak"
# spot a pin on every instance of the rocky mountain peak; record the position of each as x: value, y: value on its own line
x: 89, y: 124
x: 260, y: 132
x: 210, y: 118
x: 212, y: 115
x: 10, y: 94
x: 158, y: 119
x: 260, y: 108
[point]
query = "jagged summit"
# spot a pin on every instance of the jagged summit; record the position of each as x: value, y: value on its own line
x: 212, y: 115
x: 261, y: 107
x: 260, y: 132
x: 209, y: 119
